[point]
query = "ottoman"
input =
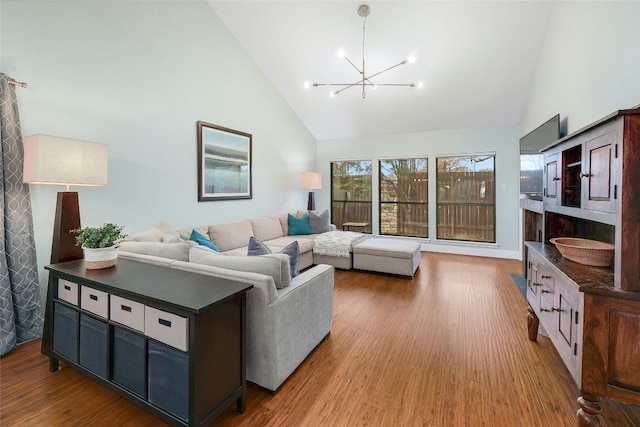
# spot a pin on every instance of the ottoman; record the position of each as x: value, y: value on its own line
x: 392, y: 256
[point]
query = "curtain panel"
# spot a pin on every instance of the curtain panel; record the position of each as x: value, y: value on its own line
x: 20, y: 314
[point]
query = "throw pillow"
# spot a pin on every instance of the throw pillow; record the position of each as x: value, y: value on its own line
x: 293, y: 250
x: 319, y: 223
x: 257, y: 248
x: 299, y: 226
x: 161, y: 232
x: 203, y: 240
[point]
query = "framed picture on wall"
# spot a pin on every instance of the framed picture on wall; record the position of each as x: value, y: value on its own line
x: 224, y: 163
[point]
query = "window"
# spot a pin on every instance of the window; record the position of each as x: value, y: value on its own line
x: 403, y: 197
x: 351, y: 195
x: 466, y: 198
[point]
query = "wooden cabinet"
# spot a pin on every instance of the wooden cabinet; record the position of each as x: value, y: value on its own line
x: 592, y: 314
x: 171, y: 341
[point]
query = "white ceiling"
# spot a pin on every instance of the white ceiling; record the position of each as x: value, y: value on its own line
x: 476, y: 59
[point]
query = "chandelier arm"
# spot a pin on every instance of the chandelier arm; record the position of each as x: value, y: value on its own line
x: 384, y: 71
x: 397, y: 84
x: 354, y: 66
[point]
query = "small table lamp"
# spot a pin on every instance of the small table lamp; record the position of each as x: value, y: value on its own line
x: 52, y: 160
x: 311, y: 181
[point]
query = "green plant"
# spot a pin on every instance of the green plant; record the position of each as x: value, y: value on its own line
x: 99, y: 237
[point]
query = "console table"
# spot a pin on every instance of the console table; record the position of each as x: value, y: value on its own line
x: 170, y: 341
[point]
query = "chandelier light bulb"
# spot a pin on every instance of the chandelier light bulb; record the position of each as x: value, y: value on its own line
x: 307, y: 85
x: 342, y: 54
x: 420, y: 85
x: 411, y: 59
x: 333, y: 93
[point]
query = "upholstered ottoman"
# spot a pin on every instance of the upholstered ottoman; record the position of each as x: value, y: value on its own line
x: 392, y: 256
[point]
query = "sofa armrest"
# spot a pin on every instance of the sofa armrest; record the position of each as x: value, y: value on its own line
x: 264, y: 289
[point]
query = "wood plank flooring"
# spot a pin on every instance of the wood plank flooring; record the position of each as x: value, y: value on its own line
x: 448, y: 348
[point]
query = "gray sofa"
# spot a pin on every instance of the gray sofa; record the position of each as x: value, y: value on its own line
x: 287, y: 317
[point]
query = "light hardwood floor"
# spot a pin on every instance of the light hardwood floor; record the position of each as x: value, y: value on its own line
x: 448, y: 348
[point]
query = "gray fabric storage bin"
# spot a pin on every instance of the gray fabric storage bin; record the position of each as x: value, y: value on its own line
x: 65, y: 331
x: 94, y: 340
x: 169, y: 379
x: 129, y: 360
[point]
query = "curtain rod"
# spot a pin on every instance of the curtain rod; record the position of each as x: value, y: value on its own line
x: 17, y: 83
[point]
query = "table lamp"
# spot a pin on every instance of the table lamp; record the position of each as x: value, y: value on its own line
x: 51, y: 160
x: 311, y: 181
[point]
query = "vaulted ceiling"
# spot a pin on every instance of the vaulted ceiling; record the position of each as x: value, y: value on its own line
x: 476, y: 60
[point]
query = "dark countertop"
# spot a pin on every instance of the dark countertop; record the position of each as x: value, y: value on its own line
x: 592, y: 280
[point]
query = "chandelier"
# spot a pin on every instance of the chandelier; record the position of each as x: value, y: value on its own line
x: 365, y: 80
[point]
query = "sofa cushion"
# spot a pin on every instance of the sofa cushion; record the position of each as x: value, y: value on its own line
x: 319, y: 222
x: 305, y: 243
x: 202, y: 240
x: 275, y: 265
x: 266, y: 228
x: 257, y: 248
x: 185, y: 233
x: 178, y: 251
x: 231, y: 235
x: 298, y: 226
x: 161, y: 232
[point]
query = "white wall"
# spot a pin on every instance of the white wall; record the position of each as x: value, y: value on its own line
x: 501, y: 140
x: 137, y: 76
x: 589, y: 64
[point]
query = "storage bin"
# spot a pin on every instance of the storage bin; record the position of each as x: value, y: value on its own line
x: 129, y: 360
x: 65, y: 331
x: 68, y: 291
x: 127, y: 312
x: 166, y: 327
x: 94, y: 340
x: 94, y: 301
x: 169, y: 379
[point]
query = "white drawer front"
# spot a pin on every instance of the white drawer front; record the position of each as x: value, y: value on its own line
x: 166, y: 327
x: 129, y: 313
x: 94, y: 301
x: 68, y: 291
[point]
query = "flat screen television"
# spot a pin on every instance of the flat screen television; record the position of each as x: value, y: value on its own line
x: 532, y: 161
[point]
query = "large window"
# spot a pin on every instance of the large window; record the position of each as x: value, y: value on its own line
x: 466, y: 198
x: 351, y: 195
x: 403, y: 197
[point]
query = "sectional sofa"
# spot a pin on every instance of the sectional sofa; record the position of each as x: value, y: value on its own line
x: 287, y: 317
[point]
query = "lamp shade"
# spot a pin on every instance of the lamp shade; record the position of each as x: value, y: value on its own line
x: 311, y: 180
x: 62, y: 161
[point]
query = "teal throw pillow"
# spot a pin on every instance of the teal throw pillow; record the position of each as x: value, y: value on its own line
x: 202, y: 240
x: 299, y: 226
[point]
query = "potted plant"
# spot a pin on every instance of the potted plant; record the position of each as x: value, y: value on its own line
x: 99, y: 245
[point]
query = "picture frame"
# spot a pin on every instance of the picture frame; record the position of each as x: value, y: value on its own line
x: 224, y: 163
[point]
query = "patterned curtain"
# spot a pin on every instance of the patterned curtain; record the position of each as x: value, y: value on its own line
x: 20, y: 318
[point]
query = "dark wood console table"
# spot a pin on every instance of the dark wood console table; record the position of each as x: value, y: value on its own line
x: 170, y: 341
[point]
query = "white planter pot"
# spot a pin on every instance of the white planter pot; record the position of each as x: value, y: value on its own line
x: 97, y: 258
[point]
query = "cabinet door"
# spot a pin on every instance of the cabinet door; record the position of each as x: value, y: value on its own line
x: 566, y: 333
x: 551, y: 178
x: 533, y: 287
x: 598, y: 177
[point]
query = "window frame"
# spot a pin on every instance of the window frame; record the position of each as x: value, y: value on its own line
x: 438, y: 202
